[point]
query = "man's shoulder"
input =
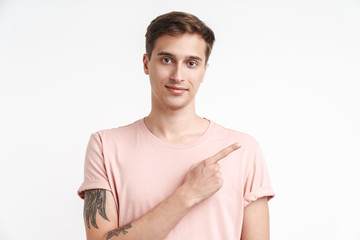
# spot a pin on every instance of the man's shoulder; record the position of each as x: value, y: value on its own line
x: 236, y: 135
x: 119, y: 131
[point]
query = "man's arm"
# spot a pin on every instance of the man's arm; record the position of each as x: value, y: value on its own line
x: 256, y: 221
x: 202, y: 181
x: 101, y: 220
x: 100, y: 213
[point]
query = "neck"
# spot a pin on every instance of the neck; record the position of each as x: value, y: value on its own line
x: 176, y: 125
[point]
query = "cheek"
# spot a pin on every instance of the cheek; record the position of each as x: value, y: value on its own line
x: 157, y: 79
x: 158, y: 73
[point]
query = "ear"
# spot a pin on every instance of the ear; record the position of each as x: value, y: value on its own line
x: 146, y: 63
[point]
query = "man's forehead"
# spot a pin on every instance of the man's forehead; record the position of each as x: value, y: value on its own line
x: 184, y: 45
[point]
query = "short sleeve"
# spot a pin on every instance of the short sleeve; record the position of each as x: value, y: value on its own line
x: 257, y: 181
x: 94, y: 168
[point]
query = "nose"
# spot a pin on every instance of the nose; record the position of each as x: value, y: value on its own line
x: 177, y: 74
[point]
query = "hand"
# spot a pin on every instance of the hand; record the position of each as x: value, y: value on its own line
x: 204, y: 178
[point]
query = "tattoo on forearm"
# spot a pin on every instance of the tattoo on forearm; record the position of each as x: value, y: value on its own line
x: 117, y: 231
x: 95, y: 200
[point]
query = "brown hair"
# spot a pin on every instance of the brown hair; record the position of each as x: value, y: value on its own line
x: 177, y: 23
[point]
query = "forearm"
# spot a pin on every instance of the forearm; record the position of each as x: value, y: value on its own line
x: 158, y: 222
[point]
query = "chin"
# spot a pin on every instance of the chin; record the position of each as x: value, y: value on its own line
x: 175, y: 105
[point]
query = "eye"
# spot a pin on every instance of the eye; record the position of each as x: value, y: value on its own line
x: 192, y: 64
x: 166, y: 60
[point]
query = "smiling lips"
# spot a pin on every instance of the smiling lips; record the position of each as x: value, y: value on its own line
x: 176, y: 90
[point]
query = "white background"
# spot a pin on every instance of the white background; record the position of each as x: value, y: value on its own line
x: 286, y: 72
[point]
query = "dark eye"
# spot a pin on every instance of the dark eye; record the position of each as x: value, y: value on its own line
x: 192, y: 64
x: 166, y: 60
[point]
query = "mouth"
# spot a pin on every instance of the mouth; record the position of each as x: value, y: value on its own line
x: 176, y: 90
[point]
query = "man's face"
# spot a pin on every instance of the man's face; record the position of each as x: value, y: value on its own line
x: 176, y: 69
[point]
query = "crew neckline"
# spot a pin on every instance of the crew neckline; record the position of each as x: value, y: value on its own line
x: 152, y: 138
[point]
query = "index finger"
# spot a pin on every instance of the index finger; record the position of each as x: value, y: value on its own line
x: 223, y: 153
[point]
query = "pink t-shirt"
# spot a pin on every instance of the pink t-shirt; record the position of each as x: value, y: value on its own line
x: 141, y: 171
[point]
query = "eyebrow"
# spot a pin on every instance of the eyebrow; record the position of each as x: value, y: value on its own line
x: 172, y: 55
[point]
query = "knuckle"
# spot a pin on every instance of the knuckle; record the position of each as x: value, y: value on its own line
x: 192, y: 167
x: 221, y: 181
x: 207, y: 161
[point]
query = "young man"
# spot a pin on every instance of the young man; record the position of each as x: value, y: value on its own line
x: 175, y: 175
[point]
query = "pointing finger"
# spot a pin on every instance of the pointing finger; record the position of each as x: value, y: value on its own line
x: 223, y: 153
